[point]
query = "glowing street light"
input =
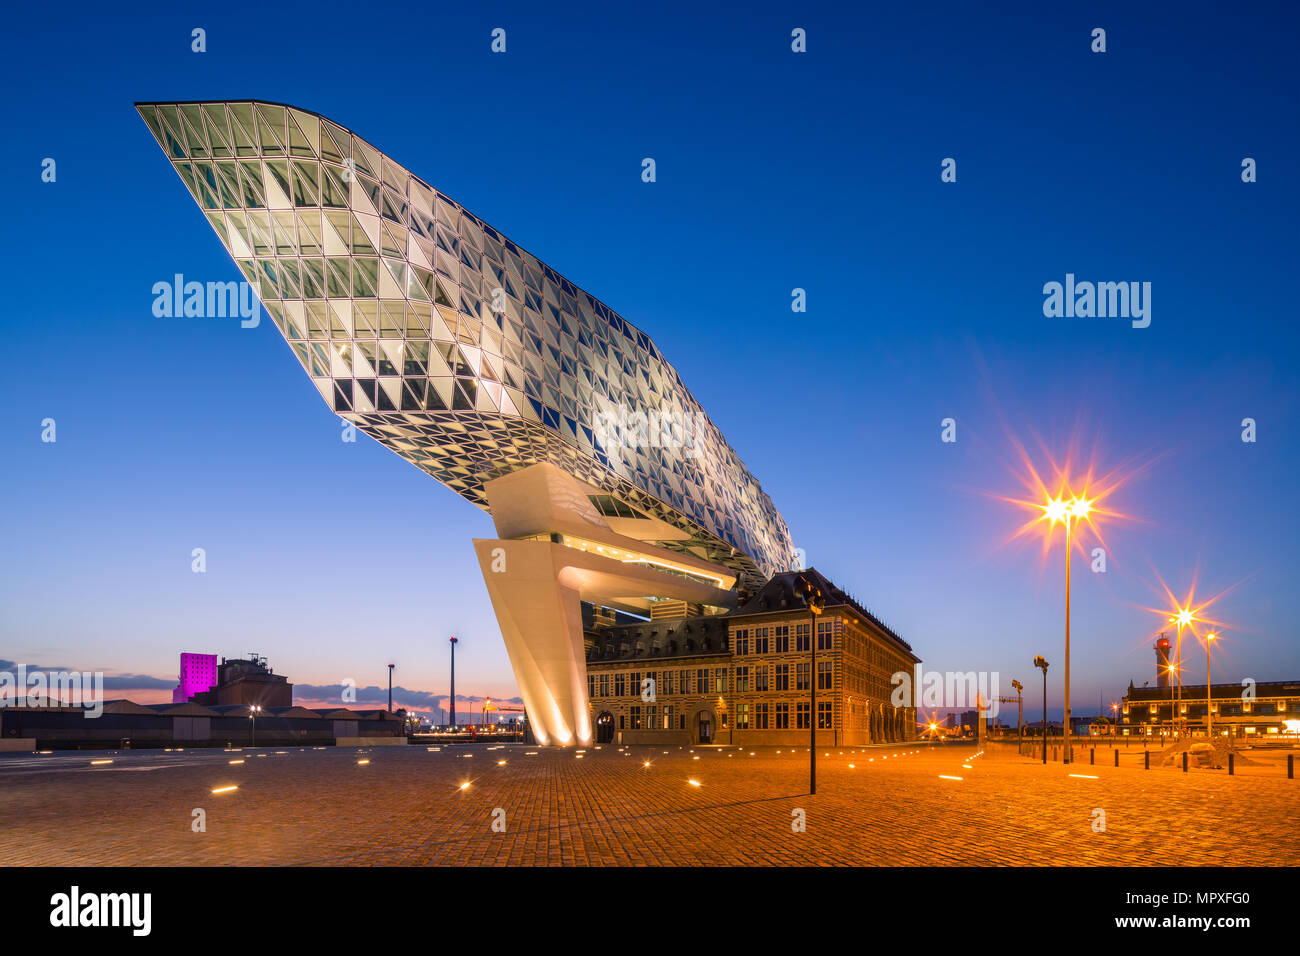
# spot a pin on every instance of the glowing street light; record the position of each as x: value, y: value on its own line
x: 1181, y: 619
x: 1076, y: 509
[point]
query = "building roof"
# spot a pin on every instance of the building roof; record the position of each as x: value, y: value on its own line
x: 123, y: 706
x: 189, y: 709
x: 706, y: 635
x: 294, y: 711
x: 657, y: 640
x: 778, y: 594
x: 1228, y: 689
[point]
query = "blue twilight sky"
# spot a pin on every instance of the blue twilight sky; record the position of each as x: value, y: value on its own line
x: 776, y: 170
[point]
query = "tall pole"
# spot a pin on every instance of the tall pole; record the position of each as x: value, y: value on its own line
x: 1209, y: 703
x: 1044, y: 715
x: 812, y: 707
x: 1041, y: 663
x: 451, y: 706
x: 1065, y: 750
x: 390, y: 688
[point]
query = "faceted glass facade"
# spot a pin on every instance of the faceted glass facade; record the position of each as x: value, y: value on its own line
x: 445, y: 341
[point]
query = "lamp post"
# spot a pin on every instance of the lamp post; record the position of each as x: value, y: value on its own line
x: 451, y: 702
x: 1020, y: 722
x: 252, y: 724
x: 1209, y: 688
x: 1173, y: 705
x: 1041, y: 661
x: 390, y: 688
x: 1182, y: 619
x: 1058, y: 509
x: 811, y: 596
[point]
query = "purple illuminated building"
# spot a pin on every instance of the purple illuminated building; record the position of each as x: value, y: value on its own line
x: 198, y: 674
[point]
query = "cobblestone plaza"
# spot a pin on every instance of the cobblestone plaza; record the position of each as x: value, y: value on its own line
x: 409, y: 805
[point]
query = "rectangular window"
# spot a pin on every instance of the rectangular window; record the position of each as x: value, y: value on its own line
x: 760, y: 678
x: 801, y: 676
x: 782, y: 716
x: 760, y: 716
x: 825, y: 635
x: 782, y: 677
x: 801, y: 638
x: 802, y: 716
x: 636, y: 717
x: 742, y: 640
x: 684, y: 682
x: 781, y: 638
x: 702, y: 680
x: 742, y: 680
x: 652, y: 717
x: 668, y: 683
x: 742, y: 716
x: 823, y: 715
x: 825, y: 675
x: 620, y: 685
x: 604, y: 685
x: 591, y: 685
x: 668, y: 716
x: 634, y: 685
x: 760, y: 640
x: 720, y: 680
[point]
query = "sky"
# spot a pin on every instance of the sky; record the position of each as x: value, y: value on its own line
x: 776, y: 171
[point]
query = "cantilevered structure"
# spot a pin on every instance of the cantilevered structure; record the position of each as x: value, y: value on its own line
x: 481, y: 365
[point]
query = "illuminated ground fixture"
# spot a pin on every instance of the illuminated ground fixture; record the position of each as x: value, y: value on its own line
x: 435, y: 334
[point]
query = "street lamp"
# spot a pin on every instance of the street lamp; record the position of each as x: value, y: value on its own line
x: 812, y: 598
x: 1183, y: 618
x: 1058, y: 509
x: 1041, y: 661
x: 252, y: 723
x: 1209, y: 693
x: 1020, y: 723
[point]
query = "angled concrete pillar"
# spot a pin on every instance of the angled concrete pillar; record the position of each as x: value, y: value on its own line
x: 556, y: 551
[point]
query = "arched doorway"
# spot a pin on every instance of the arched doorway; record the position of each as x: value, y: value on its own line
x: 705, y: 727
x: 605, y: 728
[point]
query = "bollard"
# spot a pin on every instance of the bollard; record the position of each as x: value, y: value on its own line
x: 1092, y: 755
x: 1117, y: 758
x: 1184, y: 761
x: 1290, y: 766
x: 1231, y: 764
x: 1146, y: 759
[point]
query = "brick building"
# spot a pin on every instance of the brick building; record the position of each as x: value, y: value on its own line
x: 744, y: 677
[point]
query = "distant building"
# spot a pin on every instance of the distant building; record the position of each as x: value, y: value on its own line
x: 124, y: 723
x: 198, y: 674
x: 1270, y: 708
x: 247, y: 681
x: 1162, y: 662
